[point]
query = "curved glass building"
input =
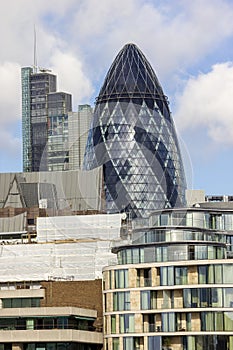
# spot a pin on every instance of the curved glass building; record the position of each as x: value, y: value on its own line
x: 173, y: 285
x: 133, y: 137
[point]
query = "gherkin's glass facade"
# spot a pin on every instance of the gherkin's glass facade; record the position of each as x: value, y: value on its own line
x: 133, y: 137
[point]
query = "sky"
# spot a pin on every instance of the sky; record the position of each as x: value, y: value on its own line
x: 189, y: 43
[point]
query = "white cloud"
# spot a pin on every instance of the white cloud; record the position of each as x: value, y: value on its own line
x: 71, y: 76
x: 175, y: 36
x: 206, y: 102
x: 10, y: 88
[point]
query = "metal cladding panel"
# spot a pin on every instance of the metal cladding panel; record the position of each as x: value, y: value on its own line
x: 133, y: 136
x: 77, y: 190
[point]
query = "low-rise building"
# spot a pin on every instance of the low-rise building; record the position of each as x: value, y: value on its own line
x: 48, y: 316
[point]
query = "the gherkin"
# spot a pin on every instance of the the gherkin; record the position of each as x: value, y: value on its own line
x: 133, y: 136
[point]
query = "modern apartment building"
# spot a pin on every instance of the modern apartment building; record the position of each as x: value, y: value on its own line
x: 133, y: 137
x: 40, y: 112
x: 173, y: 285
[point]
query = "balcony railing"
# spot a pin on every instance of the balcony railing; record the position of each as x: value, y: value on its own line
x: 47, y: 326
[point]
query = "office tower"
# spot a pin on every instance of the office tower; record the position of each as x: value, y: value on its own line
x: 173, y: 285
x: 57, y: 150
x: 78, y: 127
x: 36, y: 86
x: 133, y: 137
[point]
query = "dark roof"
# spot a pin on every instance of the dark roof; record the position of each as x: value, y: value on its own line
x: 131, y: 76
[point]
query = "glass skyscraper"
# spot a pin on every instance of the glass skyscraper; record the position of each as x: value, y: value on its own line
x: 133, y: 137
x: 36, y: 89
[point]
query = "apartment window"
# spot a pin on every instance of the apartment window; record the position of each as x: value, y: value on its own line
x: 206, y: 297
x: 203, y: 274
x: 148, y: 299
x: 207, y: 321
x: 168, y: 322
x: 167, y: 276
x: 113, y: 324
x: 154, y: 343
x: 181, y: 275
x: 168, y: 299
x: 228, y: 297
x: 121, y: 301
x: 149, y: 254
x: 20, y: 302
x: 227, y: 273
x: 127, y: 323
x: 164, y: 219
x: 121, y: 278
x: 130, y: 343
x: 115, y: 344
x: 228, y: 321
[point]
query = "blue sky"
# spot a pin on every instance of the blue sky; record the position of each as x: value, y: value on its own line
x: 188, y: 43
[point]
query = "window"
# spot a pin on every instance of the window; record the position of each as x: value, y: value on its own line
x: 121, y: 278
x: 149, y: 254
x: 168, y: 322
x: 121, y: 301
x: 113, y: 324
x: 203, y: 274
x: 228, y: 321
x: 168, y: 299
x: 145, y: 300
x: 154, y: 343
x: 228, y: 297
x: 227, y: 273
x: 218, y: 273
x: 20, y: 302
x: 115, y: 344
x: 167, y: 276
x: 200, y: 252
x: 164, y: 219
x: 181, y: 275
x: 148, y: 299
x: 127, y: 323
x: 130, y: 343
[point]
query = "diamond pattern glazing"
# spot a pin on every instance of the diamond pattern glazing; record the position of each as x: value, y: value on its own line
x: 133, y: 136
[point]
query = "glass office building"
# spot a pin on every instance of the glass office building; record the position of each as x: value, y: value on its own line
x: 133, y: 137
x: 36, y: 87
x: 57, y: 150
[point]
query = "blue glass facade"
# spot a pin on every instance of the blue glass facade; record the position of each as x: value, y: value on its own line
x: 133, y: 137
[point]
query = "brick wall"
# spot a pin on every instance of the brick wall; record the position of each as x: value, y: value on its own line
x: 84, y: 294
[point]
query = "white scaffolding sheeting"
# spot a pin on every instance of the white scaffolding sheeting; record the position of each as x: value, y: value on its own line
x: 13, y: 224
x: 104, y: 227
x: 50, y: 261
x: 82, y: 259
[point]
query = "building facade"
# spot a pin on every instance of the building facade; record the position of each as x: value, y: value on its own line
x: 79, y: 125
x: 50, y: 316
x: 57, y: 148
x: 36, y: 87
x: 173, y: 285
x: 133, y: 137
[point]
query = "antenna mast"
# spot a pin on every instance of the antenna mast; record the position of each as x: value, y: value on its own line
x: 35, y: 53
